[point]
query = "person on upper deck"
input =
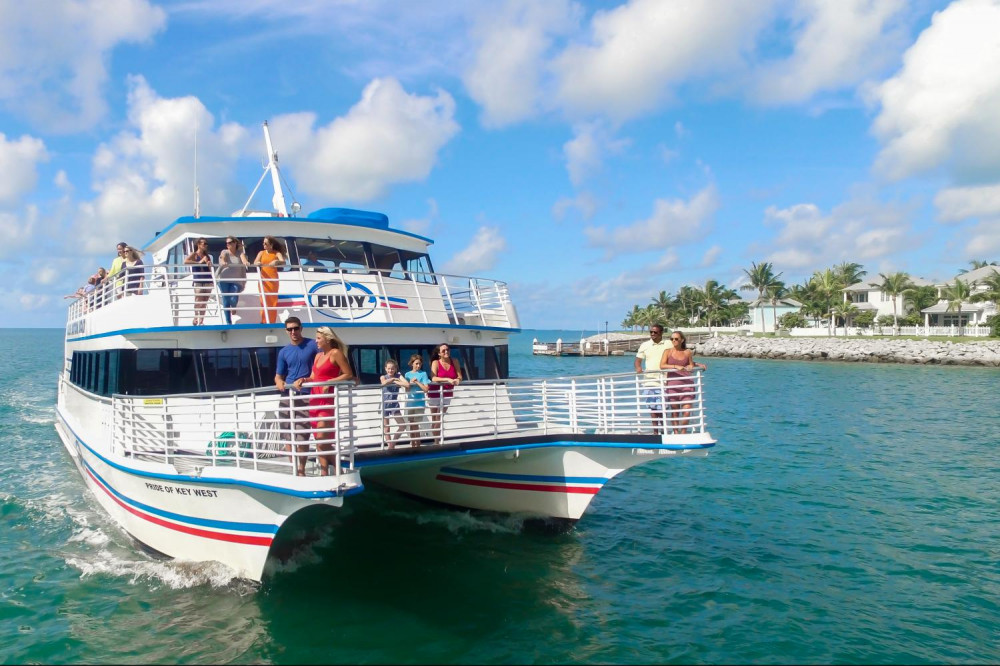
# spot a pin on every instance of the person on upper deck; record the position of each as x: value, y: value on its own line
x: 201, y: 271
x: 310, y: 260
x: 446, y: 374
x: 117, y: 264
x: 232, y: 275
x: 269, y: 259
x: 295, y: 362
x: 650, y: 352
x: 134, y: 271
x: 680, y: 385
x: 329, y: 365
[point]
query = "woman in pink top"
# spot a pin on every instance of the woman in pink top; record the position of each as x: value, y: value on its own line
x: 680, y: 385
x: 445, y: 376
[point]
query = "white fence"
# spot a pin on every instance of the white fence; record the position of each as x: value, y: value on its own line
x: 887, y: 331
x: 252, y: 430
x: 171, y: 292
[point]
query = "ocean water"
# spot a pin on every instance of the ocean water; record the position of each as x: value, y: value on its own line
x: 849, y: 514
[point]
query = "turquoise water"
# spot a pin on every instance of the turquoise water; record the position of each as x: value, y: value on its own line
x: 848, y: 515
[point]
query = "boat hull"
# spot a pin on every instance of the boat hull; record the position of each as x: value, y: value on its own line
x: 189, y: 517
x: 549, y: 480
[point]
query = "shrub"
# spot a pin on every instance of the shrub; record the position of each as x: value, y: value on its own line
x: 791, y: 320
x: 865, y: 319
x: 885, y: 321
x: 994, y: 324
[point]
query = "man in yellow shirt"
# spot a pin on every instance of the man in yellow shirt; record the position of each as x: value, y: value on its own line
x: 117, y: 265
x: 651, y: 351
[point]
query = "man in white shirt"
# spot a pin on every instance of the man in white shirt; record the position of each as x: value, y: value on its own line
x: 651, y: 351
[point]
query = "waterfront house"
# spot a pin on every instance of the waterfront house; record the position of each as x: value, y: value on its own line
x: 969, y: 313
x: 868, y: 296
x: 763, y: 310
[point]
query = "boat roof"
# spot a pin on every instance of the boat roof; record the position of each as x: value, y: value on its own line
x: 354, y: 225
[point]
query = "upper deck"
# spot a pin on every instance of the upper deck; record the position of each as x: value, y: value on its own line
x: 342, y: 266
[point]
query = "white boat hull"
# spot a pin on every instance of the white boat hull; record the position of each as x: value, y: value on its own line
x: 188, y: 517
x: 551, y: 480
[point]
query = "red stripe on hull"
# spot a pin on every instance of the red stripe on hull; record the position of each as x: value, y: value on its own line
x: 518, y: 486
x: 220, y: 536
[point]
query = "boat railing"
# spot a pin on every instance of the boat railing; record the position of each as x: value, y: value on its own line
x: 172, y: 295
x: 251, y: 431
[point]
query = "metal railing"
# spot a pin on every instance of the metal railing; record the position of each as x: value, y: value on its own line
x: 171, y: 293
x: 251, y: 430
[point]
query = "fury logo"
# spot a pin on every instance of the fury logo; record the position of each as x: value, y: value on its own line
x: 342, y: 300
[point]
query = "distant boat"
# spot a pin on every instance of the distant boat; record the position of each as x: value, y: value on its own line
x: 169, y: 410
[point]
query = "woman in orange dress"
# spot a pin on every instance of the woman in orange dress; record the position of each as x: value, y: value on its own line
x: 330, y: 364
x: 269, y: 259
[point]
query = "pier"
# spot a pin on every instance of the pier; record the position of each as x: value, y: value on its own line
x: 612, y: 344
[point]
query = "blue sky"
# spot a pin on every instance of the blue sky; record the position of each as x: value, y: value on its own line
x: 590, y: 154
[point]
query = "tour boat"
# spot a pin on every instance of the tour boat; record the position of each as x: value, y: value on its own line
x: 168, y: 406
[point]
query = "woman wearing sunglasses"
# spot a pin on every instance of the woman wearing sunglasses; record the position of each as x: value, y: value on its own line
x: 679, y: 360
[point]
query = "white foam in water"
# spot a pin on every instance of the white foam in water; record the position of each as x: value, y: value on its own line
x: 303, y: 554
x: 459, y: 521
x: 173, y: 573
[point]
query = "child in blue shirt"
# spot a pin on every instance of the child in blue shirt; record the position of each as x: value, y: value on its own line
x: 416, y: 400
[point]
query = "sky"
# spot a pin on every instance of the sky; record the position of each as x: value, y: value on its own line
x: 588, y: 153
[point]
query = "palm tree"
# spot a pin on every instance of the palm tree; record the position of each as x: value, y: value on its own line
x: 846, y: 311
x: 664, y: 301
x: 992, y: 292
x: 632, y: 319
x: 688, y: 299
x: 977, y: 263
x: 762, y: 278
x: 849, y: 273
x: 956, y: 294
x: 894, y: 285
x: 775, y: 294
x: 827, y: 286
x: 713, y: 298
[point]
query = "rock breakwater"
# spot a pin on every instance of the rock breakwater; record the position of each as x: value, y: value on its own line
x: 874, y: 350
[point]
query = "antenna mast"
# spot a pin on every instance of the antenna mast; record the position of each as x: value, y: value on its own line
x: 279, y: 196
x: 197, y: 194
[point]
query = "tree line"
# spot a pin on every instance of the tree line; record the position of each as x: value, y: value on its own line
x: 821, y: 296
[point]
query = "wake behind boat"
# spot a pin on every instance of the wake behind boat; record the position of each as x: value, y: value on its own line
x: 167, y: 403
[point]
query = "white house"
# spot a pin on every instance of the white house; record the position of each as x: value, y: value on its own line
x: 762, y: 311
x: 969, y: 313
x: 867, y: 295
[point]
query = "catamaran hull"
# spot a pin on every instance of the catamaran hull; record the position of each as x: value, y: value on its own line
x: 557, y: 480
x: 186, y: 517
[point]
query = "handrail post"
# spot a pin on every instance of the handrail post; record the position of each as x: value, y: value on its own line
x: 452, y: 313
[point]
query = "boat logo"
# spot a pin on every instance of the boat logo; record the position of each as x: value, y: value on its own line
x: 349, y: 300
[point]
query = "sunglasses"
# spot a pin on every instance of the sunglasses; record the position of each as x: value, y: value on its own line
x: 675, y: 339
x: 293, y: 329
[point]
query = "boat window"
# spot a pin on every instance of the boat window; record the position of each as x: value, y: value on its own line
x: 336, y: 254
x: 315, y: 254
x: 172, y: 371
x: 417, y: 267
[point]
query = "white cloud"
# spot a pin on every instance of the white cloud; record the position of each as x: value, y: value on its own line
x: 17, y: 230
x: 642, y: 49
x: 18, y: 167
x: 53, y: 56
x: 584, y: 203
x: 941, y: 108
x: 144, y: 176
x: 711, y: 256
x: 506, y: 72
x: 673, y: 222
x: 389, y: 136
x: 586, y: 150
x: 858, y: 230
x: 960, y: 203
x: 837, y: 44
x: 984, y: 239
x: 481, y: 254
x: 422, y: 225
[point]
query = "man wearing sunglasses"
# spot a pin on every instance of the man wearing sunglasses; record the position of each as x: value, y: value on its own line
x: 295, y: 361
x: 651, y: 351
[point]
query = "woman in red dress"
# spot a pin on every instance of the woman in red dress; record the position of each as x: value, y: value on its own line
x: 680, y: 384
x: 446, y: 374
x: 330, y: 364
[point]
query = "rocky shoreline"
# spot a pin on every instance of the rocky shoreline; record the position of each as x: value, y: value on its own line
x: 873, y: 350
